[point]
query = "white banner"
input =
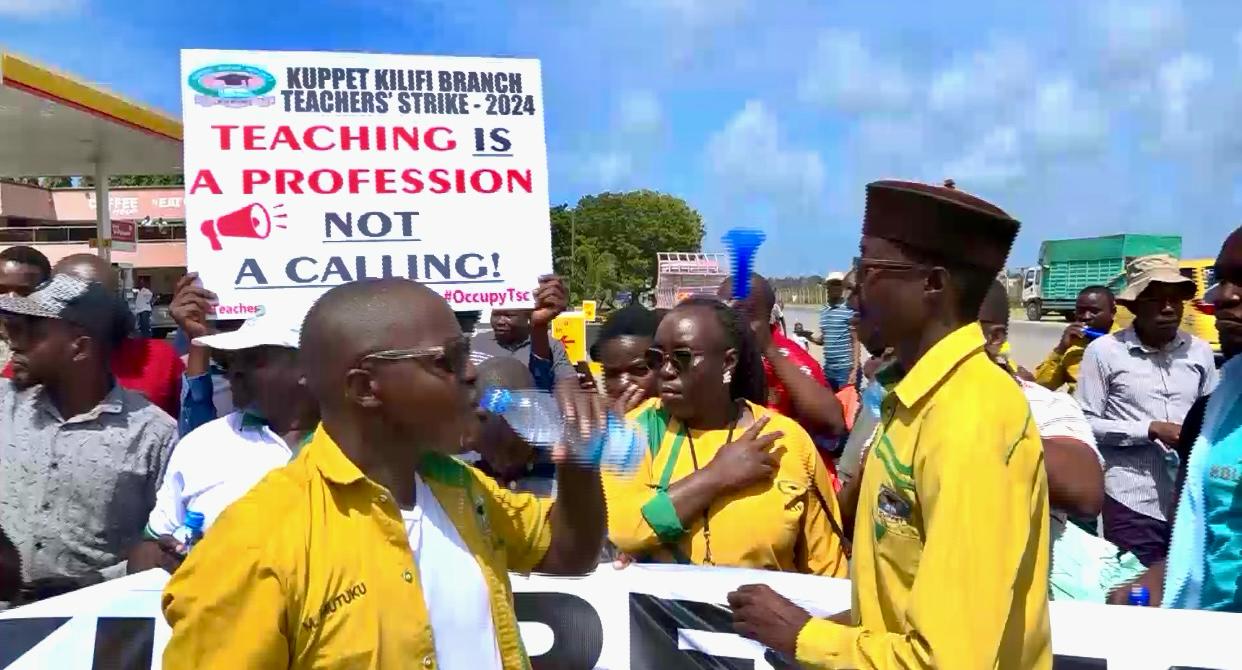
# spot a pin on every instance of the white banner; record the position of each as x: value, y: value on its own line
x: 305, y: 170
x: 642, y: 618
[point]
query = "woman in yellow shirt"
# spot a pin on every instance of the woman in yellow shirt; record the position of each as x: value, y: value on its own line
x: 725, y: 481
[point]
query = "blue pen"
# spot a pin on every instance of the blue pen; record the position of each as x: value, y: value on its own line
x: 1091, y: 333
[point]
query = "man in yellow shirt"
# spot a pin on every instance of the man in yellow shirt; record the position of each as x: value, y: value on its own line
x: 950, y: 564
x: 374, y: 548
x: 1094, y: 312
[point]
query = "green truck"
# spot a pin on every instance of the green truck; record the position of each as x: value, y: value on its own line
x: 1068, y: 266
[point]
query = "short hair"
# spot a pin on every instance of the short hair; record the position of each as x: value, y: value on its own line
x: 28, y: 256
x: 749, y: 379
x: 762, y: 294
x: 995, y: 308
x: 1100, y: 289
x: 972, y: 283
x: 504, y: 372
x: 632, y: 320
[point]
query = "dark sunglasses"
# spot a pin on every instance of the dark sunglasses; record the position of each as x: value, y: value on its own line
x: 452, y: 357
x: 682, y: 358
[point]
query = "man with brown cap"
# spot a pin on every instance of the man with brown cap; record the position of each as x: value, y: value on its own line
x: 950, y: 565
x: 1136, y: 387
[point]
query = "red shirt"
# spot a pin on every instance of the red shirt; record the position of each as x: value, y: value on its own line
x: 150, y: 367
x: 778, y: 396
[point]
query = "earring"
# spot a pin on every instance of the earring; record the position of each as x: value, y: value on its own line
x: 728, y: 377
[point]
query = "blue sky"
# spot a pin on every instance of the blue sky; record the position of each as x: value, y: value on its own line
x: 1078, y: 117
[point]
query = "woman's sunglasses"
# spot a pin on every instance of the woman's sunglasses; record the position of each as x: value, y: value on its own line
x: 452, y: 357
x: 682, y: 358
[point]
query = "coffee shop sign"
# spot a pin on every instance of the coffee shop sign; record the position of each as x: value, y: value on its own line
x: 121, y: 206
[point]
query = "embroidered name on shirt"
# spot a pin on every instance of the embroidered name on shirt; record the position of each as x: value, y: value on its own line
x: 1225, y: 472
x: 339, y: 600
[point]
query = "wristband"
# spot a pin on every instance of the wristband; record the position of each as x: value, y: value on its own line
x: 662, y: 517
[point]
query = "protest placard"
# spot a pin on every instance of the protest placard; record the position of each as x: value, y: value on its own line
x: 305, y: 170
x: 667, y: 617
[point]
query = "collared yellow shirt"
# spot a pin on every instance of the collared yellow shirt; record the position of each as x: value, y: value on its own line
x: 1059, y: 370
x: 312, y: 569
x: 950, y: 557
x: 782, y: 525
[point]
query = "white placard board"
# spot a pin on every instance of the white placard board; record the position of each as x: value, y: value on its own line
x: 639, y: 618
x: 306, y: 170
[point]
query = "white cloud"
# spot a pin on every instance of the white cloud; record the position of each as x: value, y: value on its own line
x: 605, y: 169
x: 749, y: 157
x: 39, y: 8
x: 843, y: 74
x: 639, y: 113
x: 1136, y: 34
x: 1178, y: 81
x: 995, y: 160
x: 1065, y: 119
x: 989, y: 78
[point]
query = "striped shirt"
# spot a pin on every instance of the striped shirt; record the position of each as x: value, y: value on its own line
x: 1058, y: 415
x: 1123, y: 386
x: 834, y: 327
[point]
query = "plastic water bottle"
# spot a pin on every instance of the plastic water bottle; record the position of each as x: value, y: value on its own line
x: 1139, y: 597
x: 873, y: 397
x: 190, y: 531
x: 536, y: 416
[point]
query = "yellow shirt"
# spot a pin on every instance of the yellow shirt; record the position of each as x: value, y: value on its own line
x: 781, y: 525
x: 312, y: 569
x: 951, y: 541
x: 1059, y: 370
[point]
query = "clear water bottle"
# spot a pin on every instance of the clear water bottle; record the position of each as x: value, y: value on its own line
x: 536, y: 416
x: 190, y: 531
x: 1139, y: 596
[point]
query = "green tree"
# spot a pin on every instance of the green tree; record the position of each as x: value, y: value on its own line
x: 139, y: 180
x: 594, y: 274
x: 609, y: 241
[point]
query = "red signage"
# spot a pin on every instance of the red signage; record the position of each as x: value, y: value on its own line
x: 124, y: 236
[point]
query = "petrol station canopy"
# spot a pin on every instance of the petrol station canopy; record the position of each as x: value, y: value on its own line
x: 52, y: 124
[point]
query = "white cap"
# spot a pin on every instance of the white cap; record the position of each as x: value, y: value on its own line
x: 835, y: 276
x: 265, y: 330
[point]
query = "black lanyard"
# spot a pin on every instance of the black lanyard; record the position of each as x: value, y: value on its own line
x: 694, y: 458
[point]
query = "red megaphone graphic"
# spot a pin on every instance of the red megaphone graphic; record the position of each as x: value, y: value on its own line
x: 250, y: 221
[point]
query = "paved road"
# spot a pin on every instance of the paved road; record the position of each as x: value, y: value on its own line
x: 1030, y: 341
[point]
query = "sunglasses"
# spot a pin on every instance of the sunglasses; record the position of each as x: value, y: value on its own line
x: 452, y: 357
x: 682, y: 358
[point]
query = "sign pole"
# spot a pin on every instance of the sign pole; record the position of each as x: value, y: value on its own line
x: 103, y: 219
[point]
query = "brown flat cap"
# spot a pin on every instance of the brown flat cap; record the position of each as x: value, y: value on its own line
x: 940, y: 220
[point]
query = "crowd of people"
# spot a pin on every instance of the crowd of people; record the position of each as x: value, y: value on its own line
x: 341, y: 462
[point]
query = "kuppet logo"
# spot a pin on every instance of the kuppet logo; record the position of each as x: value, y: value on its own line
x: 232, y: 85
x: 334, y: 603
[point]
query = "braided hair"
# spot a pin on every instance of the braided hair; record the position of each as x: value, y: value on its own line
x: 749, y: 381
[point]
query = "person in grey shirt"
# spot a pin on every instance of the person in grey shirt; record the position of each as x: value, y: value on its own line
x: 1135, y: 387
x: 525, y: 334
x: 82, y: 457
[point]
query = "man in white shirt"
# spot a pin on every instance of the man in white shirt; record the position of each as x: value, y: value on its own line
x: 221, y: 460
x: 143, y: 298
x: 1083, y: 567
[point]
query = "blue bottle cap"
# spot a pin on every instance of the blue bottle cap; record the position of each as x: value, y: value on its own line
x: 194, y: 520
x: 1139, y: 595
